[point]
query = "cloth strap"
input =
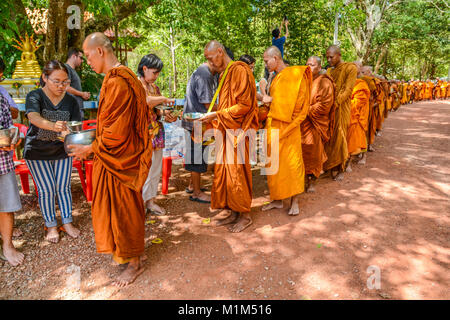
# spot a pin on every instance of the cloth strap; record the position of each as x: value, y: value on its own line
x: 219, y: 87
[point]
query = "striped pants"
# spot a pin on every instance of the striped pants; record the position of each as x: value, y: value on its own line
x: 52, y: 178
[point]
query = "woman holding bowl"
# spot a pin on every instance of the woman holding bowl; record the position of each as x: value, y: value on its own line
x: 48, y: 109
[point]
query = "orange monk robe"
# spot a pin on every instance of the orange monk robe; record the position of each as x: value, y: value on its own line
x: 396, y: 96
x: 359, y: 118
x: 316, y: 129
x: 376, y: 101
x: 410, y: 92
x: 122, y: 158
x: 429, y: 90
x: 290, y: 91
x: 404, y: 99
x: 443, y: 90
x: 344, y: 76
x: 237, y: 109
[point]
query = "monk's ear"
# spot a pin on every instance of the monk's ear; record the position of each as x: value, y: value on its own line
x: 100, y: 51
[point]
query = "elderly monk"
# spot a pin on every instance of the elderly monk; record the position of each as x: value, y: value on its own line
x: 235, y: 118
x: 122, y: 157
x: 289, y: 104
x: 316, y: 128
x: 344, y: 75
x: 359, y: 120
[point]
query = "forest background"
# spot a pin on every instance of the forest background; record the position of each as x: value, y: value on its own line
x: 400, y: 39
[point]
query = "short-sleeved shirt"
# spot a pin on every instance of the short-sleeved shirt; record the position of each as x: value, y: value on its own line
x: 200, y: 89
x: 6, y: 159
x: 6, y: 95
x: 279, y: 43
x: 75, y: 82
x: 41, y: 144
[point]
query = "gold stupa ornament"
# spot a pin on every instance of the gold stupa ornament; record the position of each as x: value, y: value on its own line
x: 27, y: 67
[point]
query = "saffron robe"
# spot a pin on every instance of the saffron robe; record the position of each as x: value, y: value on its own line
x: 290, y: 91
x: 344, y: 76
x: 376, y: 98
x: 122, y: 158
x: 359, y: 124
x: 317, y: 127
x: 237, y: 110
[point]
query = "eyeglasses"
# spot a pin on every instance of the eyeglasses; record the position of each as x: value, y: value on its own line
x: 59, y: 83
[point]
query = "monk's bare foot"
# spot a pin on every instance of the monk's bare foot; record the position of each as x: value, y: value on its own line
x: 231, y: 218
x: 370, y: 148
x: 52, y: 235
x: 71, y: 230
x: 17, y: 232
x: 339, y: 177
x: 363, y: 160
x: 378, y: 133
x: 349, y: 168
x: 13, y: 256
x: 243, y: 222
x: 133, y: 270
x: 276, y: 204
x: 311, y: 188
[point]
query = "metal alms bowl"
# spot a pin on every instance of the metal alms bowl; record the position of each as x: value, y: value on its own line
x: 9, y: 137
x: 75, y: 126
x: 84, y: 137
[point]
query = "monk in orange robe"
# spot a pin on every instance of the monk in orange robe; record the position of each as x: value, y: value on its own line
x: 122, y: 157
x: 237, y: 111
x: 359, y: 124
x: 316, y: 128
x: 344, y: 75
x: 288, y: 101
x: 376, y: 103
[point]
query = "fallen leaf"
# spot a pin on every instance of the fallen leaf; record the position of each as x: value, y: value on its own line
x: 157, y: 241
x: 206, y: 221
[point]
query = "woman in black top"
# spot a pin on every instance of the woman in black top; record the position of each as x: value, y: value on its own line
x: 48, y: 110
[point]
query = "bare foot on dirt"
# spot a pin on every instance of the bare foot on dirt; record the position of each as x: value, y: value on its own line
x: 71, y: 230
x: 133, y: 270
x: 231, y: 218
x: 349, y: 168
x: 243, y: 222
x: 52, y: 235
x: 13, y: 256
x: 339, y: 177
x: 363, y: 160
x: 17, y: 232
x: 276, y: 204
x: 155, y: 209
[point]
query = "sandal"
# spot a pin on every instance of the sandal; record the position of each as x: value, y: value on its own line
x: 189, y: 191
x: 198, y: 200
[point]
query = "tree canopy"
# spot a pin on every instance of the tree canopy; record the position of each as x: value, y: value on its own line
x: 399, y: 38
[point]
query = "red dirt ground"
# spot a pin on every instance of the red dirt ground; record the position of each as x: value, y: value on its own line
x: 392, y: 213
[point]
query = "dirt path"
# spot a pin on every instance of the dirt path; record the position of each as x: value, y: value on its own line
x: 392, y: 214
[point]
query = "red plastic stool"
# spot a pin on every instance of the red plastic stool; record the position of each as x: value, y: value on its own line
x: 79, y: 166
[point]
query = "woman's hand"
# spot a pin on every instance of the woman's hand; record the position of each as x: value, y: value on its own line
x: 267, y: 99
x: 60, y: 126
x: 168, y: 116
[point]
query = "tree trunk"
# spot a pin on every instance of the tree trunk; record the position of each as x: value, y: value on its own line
x: 77, y: 35
x: 384, y: 50
x: 174, y: 62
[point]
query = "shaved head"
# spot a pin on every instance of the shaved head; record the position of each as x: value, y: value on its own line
x: 99, y: 52
x: 98, y: 39
x: 334, y: 56
x: 216, y: 55
x: 366, y: 70
x: 315, y: 63
x: 213, y: 45
x: 335, y: 49
x: 273, y: 52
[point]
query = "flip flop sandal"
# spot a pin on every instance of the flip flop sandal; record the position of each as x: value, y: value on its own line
x: 198, y: 200
x: 156, y: 213
x: 188, y: 191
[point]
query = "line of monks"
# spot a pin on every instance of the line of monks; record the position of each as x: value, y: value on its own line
x: 322, y: 120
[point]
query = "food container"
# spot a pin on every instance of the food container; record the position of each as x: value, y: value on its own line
x: 9, y: 137
x: 192, y: 116
x: 85, y: 137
